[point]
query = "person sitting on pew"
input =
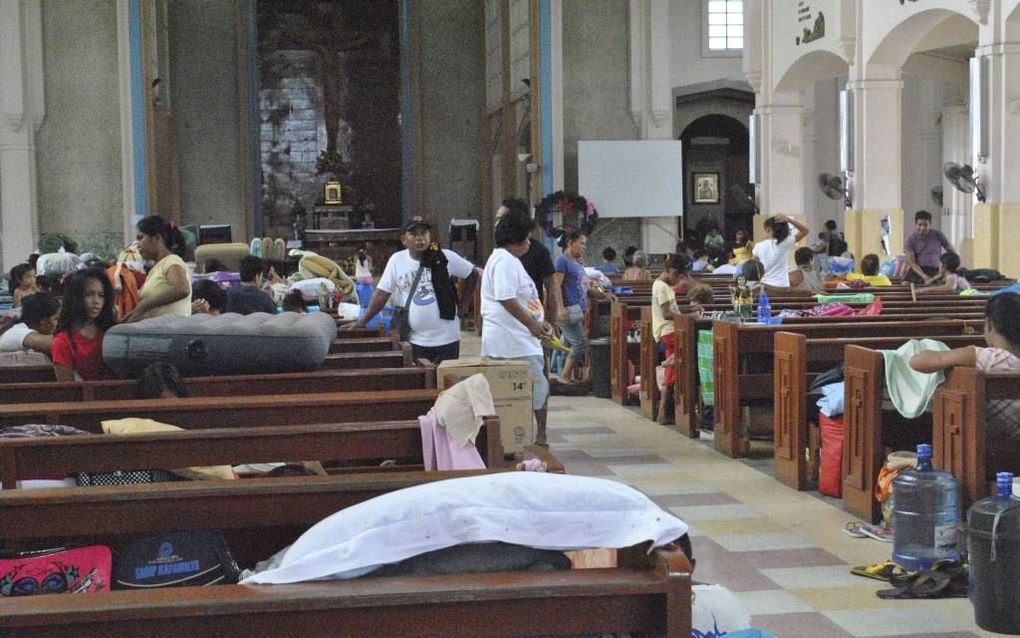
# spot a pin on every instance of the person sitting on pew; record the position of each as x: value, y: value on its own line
x: 752, y: 271
x: 167, y: 287
x: 22, y: 283
x: 699, y: 297
x: 249, y: 297
x: 638, y: 270
x: 869, y: 272
x: 608, y: 265
x: 952, y: 282
x: 160, y: 381
x: 742, y: 248
x: 39, y: 314
x: 804, y: 276
x: 85, y: 316
x: 923, y: 248
x: 208, y: 297
x: 294, y: 302
x: 700, y: 262
x: 772, y: 252
x: 1002, y: 334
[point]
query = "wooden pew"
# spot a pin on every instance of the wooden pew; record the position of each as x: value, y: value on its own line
x: 797, y: 361
x: 259, y: 516
x: 621, y: 351
x: 336, y: 361
x: 960, y: 444
x: 348, y: 443
x: 377, y: 379
x: 743, y: 365
x: 364, y: 344
x: 231, y: 411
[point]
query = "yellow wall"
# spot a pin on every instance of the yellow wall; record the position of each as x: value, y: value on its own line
x: 1009, y: 245
x: 864, y: 233
x: 985, y: 246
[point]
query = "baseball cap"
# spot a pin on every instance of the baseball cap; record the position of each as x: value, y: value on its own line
x: 417, y: 222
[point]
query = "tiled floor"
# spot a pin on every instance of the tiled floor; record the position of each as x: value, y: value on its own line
x: 781, y: 551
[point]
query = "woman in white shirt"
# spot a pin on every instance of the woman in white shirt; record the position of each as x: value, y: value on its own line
x: 512, y: 314
x: 772, y: 253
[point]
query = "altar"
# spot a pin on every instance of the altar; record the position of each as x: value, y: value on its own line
x: 340, y: 244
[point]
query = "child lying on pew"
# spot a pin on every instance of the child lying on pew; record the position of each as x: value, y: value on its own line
x: 1002, y: 334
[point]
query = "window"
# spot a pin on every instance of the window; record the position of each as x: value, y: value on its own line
x: 724, y: 26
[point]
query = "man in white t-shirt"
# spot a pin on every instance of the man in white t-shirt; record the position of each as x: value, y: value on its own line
x: 772, y: 253
x: 513, y: 318
x: 29, y: 341
x: 432, y: 337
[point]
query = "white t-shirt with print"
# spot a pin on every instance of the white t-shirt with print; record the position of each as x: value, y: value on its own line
x: 427, y: 329
x: 772, y: 256
x: 502, y: 334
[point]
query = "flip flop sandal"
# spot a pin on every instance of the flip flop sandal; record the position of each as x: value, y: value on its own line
x: 853, y: 530
x: 946, y: 579
x: 879, y: 571
x: 878, y: 533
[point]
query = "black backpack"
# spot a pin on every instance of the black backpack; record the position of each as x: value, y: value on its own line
x: 175, y: 559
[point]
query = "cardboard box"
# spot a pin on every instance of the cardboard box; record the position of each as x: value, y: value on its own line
x: 510, y: 384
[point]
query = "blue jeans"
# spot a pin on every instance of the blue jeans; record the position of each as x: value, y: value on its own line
x: 573, y: 333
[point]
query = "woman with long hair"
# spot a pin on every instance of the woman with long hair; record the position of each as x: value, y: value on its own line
x: 167, y: 289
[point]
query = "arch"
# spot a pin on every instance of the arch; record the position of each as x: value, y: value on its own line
x: 720, y: 124
x: 809, y: 68
x: 896, y: 46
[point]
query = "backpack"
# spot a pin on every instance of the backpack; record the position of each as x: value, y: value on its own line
x: 176, y: 559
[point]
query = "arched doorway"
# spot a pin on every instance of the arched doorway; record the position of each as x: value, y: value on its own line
x: 715, y: 148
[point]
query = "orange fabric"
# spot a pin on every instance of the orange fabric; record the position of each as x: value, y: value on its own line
x: 125, y: 286
x: 883, y: 486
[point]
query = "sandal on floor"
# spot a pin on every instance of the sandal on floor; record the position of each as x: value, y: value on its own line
x: 853, y: 530
x: 879, y: 571
x: 946, y: 579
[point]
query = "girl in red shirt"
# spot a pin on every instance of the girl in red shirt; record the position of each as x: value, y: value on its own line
x: 87, y: 313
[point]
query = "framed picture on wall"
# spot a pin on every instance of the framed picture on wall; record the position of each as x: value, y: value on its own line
x: 705, y: 187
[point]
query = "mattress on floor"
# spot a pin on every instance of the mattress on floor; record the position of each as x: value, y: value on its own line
x: 227, y: 344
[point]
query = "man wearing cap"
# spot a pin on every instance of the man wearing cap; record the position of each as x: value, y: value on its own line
x: 432, y: 314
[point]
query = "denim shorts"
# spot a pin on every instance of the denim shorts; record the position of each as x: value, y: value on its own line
x: 573, y: 333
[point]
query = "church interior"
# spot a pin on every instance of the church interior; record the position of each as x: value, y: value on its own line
x: 306, y: 251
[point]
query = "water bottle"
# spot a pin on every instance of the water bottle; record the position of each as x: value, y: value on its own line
x: 764, y: 309
x: 925, y: 514
x: 993, y: 547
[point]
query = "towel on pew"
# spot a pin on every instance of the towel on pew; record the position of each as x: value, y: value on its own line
x: 533, y: 509
x: 831, y: 403
x: 148, y: 426
x: 911, y: 391
x: 449, y: 430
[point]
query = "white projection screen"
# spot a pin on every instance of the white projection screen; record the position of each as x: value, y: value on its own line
x: 642, y: 178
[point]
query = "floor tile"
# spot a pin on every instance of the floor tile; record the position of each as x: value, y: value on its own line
x: 889, y: 622
x: 638, y: 469
x: 674, y: 488
x: 773, y: 601
x: 758, y: 542
x: 715, y: 512
x: 798, y: 577
x: 806, y: 625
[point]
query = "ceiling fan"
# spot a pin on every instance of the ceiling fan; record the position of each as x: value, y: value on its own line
x: 835, y: 187
x: 963, y: 179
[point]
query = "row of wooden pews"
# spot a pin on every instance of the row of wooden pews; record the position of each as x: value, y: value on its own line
x: 350, y: 419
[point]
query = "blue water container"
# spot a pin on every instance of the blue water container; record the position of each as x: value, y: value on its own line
x: 383, y: 318
x: 764, y: 308
x: 926, y: 512
x: 993, y: 548
x: 364, y: 293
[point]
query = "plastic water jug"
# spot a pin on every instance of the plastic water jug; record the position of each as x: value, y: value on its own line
x: 993, y: 544
x: 764, y: 308
x: 925, y: 511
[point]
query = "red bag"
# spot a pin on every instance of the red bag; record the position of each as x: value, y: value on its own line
x: 56, y: 571
x: 830, y: 469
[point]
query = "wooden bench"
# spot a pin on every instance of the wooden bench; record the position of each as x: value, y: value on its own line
x: 797, y: 361
x: 364, y: 344
x: 743, y: 365
x: 960, y: 444
x: 372, y: 379
x: 231, y: 411
x: 348, y: 443
x: 621, y: 351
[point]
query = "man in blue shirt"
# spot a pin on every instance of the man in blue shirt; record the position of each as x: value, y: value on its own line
x: 248, y: 297
x: 608, y: 266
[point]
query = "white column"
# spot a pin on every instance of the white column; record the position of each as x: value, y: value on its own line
x: 877, y: 144
x: 23, y: 108
x: 1000, y: 169
x: 782, y: 155
x: 956, y: 206
x: 651, y: 99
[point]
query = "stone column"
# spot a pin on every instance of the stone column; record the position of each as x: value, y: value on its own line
x: 782, y: 151
x: 995, y: 221
x: 877, y: 174
x: 956, y: 206
x: 651, y: 99
x: 23, y: 109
